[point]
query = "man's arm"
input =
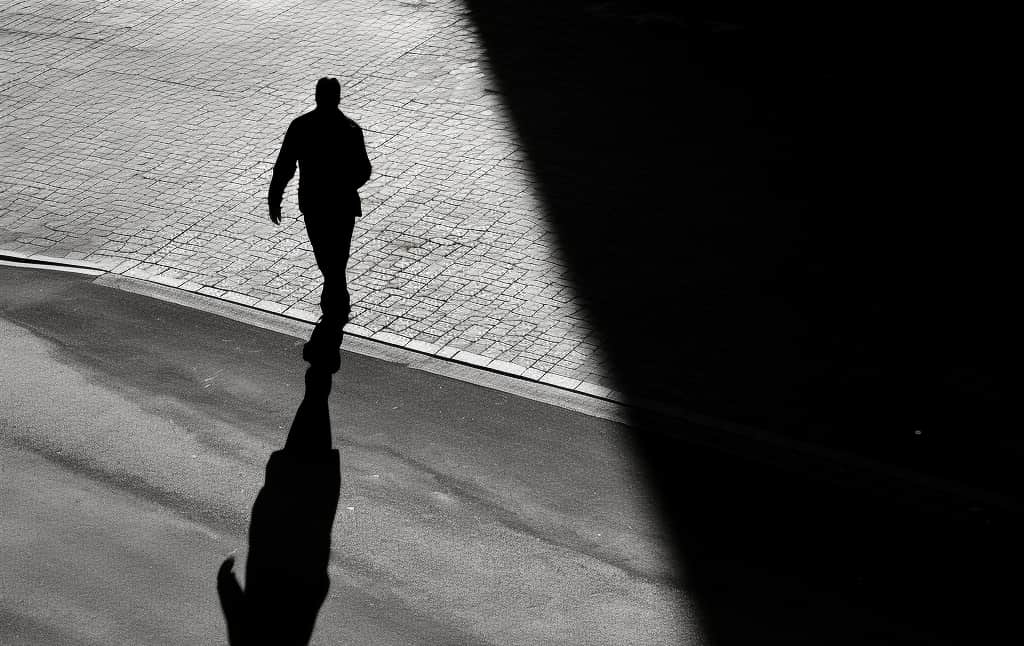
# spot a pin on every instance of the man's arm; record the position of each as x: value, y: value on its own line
x: 284, y: 170
x: 362, y: 167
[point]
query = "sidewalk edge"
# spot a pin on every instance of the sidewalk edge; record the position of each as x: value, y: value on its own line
x: 610, y: 405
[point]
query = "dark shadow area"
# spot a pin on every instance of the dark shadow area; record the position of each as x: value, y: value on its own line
x: 774, y: 216
x: 286, y: 579
x: 755, y: 204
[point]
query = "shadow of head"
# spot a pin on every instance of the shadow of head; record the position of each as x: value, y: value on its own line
x: 286, y: 579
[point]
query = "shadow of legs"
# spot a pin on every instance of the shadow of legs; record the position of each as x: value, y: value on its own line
x: 286, y: 578
x: 321, y: 351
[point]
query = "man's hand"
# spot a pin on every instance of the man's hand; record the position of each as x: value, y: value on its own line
x: 275, y: 215
x: 232, y: 602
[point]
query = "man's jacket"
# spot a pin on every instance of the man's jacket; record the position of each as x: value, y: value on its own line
x: 331, y: 154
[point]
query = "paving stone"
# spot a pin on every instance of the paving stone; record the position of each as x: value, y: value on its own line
x: 447, y: 352
x: 271, y: 306
x: 506, y: 367
x: 560, y: 381
x: 241, y: 298
x: 422, y: 346
x: 390, y: 337
x: 593, y: 389
x: 472, y: 358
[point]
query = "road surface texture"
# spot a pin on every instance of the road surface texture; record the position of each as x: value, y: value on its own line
x: 135, y: 433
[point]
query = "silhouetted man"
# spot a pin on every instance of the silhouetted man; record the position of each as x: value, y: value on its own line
x: 331, y: 155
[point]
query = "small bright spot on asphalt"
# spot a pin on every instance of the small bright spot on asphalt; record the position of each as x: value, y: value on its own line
x: 441, y: 497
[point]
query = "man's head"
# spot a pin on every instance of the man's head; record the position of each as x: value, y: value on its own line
x: 328, y: 93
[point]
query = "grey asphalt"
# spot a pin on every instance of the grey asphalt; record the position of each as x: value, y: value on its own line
x: 135, y: 433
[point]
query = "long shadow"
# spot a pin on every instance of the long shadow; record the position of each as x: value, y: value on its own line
x: 732, y: 187
x: 286, y: 579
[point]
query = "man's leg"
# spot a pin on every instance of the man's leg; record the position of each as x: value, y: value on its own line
x: 335, y: 301
x: 321, y: 351
x: 317, y: 238
x: 331, y: 240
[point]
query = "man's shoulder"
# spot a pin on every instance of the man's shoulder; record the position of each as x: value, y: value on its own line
x: 321, y: 118
x: 345, y: 119
x: 319, y: 126
x: 304, y: 119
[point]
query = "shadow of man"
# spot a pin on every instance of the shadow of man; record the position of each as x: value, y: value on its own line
x: 286, y: 579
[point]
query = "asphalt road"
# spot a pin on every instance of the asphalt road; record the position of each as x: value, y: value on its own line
x: 134, y: 435
x: 134, y: 439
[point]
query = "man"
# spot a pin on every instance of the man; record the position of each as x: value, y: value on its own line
x: 331, y: 154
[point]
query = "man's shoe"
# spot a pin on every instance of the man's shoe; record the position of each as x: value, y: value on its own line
x: 321, y: 351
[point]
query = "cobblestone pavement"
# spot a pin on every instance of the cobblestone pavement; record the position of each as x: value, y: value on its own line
x: 140, y: 137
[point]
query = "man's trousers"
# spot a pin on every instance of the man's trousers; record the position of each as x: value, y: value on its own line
x: 331, y: 237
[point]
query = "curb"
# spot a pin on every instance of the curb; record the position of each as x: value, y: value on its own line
x: 131, y: 269
x: 15, y: 258
x: 606, y: 399
x: 739, y: 440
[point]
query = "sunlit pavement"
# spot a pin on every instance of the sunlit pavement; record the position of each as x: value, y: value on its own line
x: 140, y: 135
